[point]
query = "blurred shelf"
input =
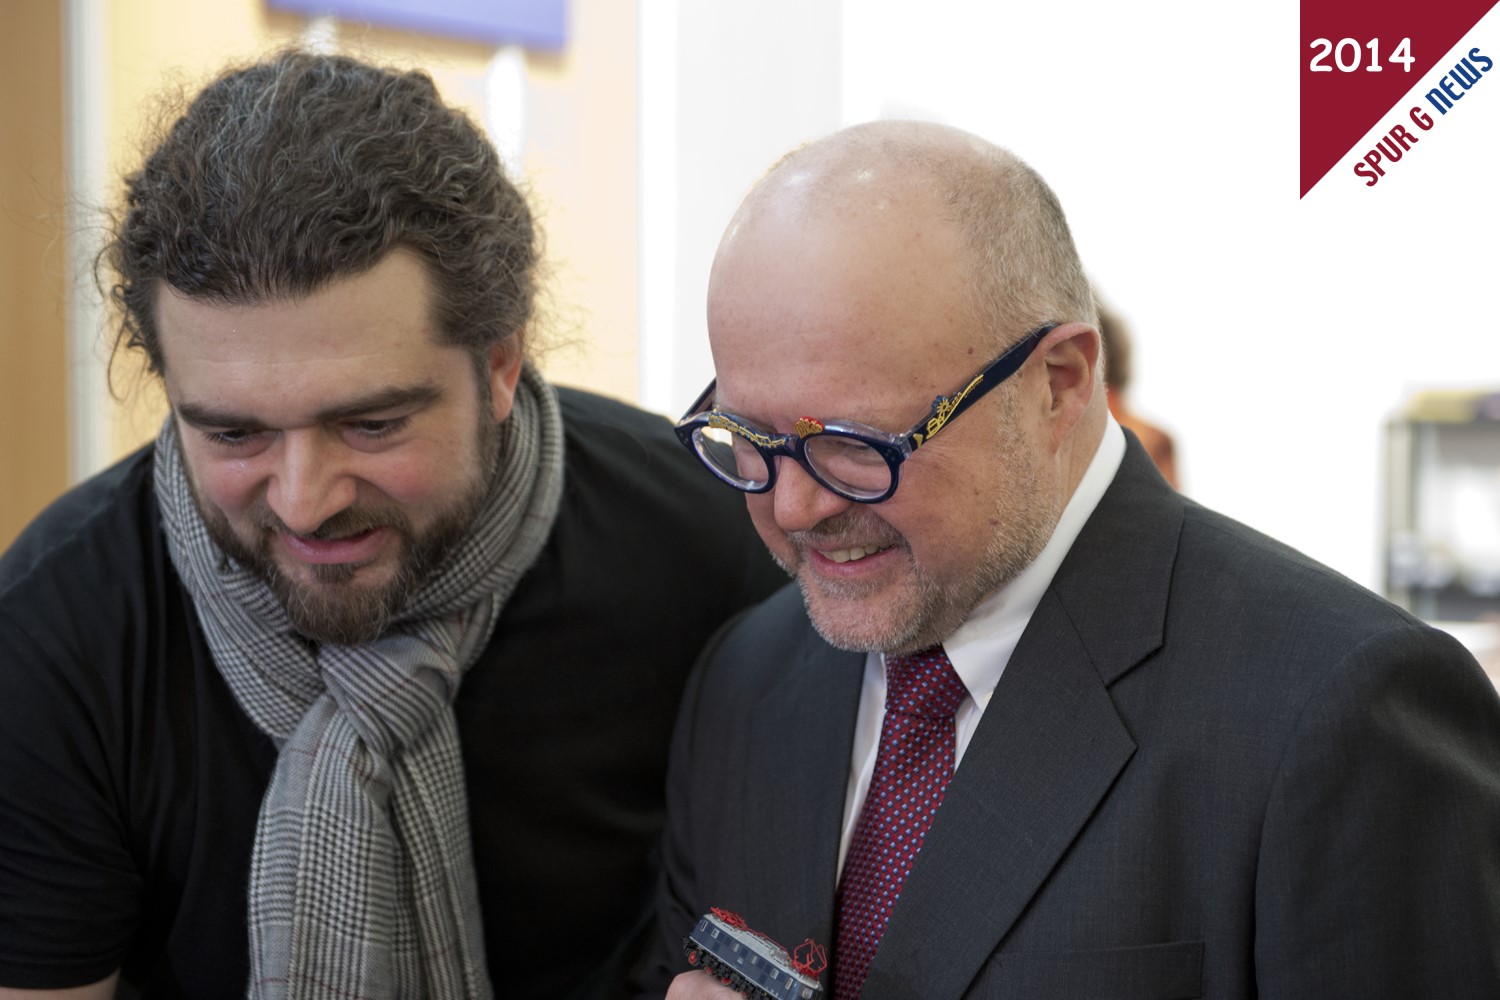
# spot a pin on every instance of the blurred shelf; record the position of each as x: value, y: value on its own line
x: 1442, y: 515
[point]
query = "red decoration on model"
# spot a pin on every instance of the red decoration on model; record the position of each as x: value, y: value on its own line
x: 810, y: 959
x: 731, y: 918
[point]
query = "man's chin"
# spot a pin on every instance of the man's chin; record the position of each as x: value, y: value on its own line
x: 343, y: 616
x: 859, y: 619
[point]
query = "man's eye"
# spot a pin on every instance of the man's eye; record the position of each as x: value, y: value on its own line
x: 376, y: 429
x: 231, y: 438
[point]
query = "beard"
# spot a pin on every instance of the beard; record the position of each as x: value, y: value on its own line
x: 928, y: 609
x: 332, y: 607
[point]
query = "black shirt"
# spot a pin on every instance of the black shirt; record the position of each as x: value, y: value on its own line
x: 130, y: 780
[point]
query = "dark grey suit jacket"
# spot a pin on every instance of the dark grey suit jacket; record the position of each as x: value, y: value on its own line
x: 1212, y: 768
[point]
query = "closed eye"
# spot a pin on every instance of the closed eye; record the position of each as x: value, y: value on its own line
x: 374, y: 430
x: 232, y: 438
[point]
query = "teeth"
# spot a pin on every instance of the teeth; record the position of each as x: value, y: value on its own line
x: 854, y: 554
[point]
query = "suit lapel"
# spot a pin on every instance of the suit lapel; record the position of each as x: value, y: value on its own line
x: 1048, y: 748
x: 1046, y: 752
x: 803, y: 730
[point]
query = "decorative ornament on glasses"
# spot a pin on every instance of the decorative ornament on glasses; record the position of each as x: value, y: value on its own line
x: 851, y: 459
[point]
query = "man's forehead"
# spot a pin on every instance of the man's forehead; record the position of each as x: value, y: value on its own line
x: 347, y: 348
x: 391, y: 298
x: 872, y: 277
x: 879, y: 390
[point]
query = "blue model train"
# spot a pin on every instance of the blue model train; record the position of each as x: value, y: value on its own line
x: 752, y: 963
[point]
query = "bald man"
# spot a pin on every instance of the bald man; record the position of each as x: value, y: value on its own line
x: 1030, y: 724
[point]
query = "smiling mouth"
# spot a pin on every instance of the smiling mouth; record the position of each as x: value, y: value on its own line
x: 853, y: 554
x: 356, y: 548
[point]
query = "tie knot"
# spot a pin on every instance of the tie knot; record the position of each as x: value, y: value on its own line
x: 923, y: 683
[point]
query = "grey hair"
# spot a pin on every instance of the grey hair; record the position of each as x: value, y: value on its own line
x: 1026, y: 266
x: 286, y: 174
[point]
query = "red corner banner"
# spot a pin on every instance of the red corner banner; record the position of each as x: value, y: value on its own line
x: 1360, y: 58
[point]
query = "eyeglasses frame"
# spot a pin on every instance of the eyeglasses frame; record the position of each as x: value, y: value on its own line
x: 894, y: 448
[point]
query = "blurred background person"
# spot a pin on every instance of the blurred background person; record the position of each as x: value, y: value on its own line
x: 1119, y: 360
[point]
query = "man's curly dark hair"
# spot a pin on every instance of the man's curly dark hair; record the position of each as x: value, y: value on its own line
x: 301, y: 169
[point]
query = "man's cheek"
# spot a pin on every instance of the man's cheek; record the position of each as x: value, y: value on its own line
x: 412, y: 480
x: 762, y: 517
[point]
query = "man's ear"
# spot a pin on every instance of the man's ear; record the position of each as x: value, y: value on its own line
x: 504, y: 372
x: 1071, y: 354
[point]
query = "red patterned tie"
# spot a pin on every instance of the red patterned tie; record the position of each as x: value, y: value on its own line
x: 912, y: 769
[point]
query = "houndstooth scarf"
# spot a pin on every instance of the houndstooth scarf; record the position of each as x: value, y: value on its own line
x: 362, y: 877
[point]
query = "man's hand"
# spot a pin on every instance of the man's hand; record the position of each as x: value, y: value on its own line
x: 700, y: 984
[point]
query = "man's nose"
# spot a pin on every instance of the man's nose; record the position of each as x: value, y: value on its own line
x: 799, y: 500
x: 313, y: 482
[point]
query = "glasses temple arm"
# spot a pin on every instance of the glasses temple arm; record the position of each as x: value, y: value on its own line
x: 946, y: 408
x: 703, y: 397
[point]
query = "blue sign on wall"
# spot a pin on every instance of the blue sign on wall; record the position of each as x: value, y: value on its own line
x: 537, y: 24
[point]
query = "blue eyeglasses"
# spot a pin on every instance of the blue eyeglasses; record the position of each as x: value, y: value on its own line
x: 851, y: 459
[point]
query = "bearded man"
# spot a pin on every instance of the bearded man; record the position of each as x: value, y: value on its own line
x: 359, y: 682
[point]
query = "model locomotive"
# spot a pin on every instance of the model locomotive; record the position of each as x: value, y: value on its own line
x: 751, y: 963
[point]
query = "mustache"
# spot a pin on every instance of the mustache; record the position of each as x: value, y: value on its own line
x: 852, y: 525
x: 344, y: 524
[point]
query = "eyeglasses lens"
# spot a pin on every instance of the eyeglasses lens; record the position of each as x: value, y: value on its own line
x: 849, y: 464
x: 846, y: 464
x: 731, y: 456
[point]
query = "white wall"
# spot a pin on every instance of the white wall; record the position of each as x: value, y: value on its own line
x: 1274, y: 335
x: 726, y: 89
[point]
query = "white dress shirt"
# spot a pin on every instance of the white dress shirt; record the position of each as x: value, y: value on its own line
x: 981, y: 647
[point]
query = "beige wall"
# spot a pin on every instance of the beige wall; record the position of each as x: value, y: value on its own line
x: 33, y: 328
x: 579, y: 158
